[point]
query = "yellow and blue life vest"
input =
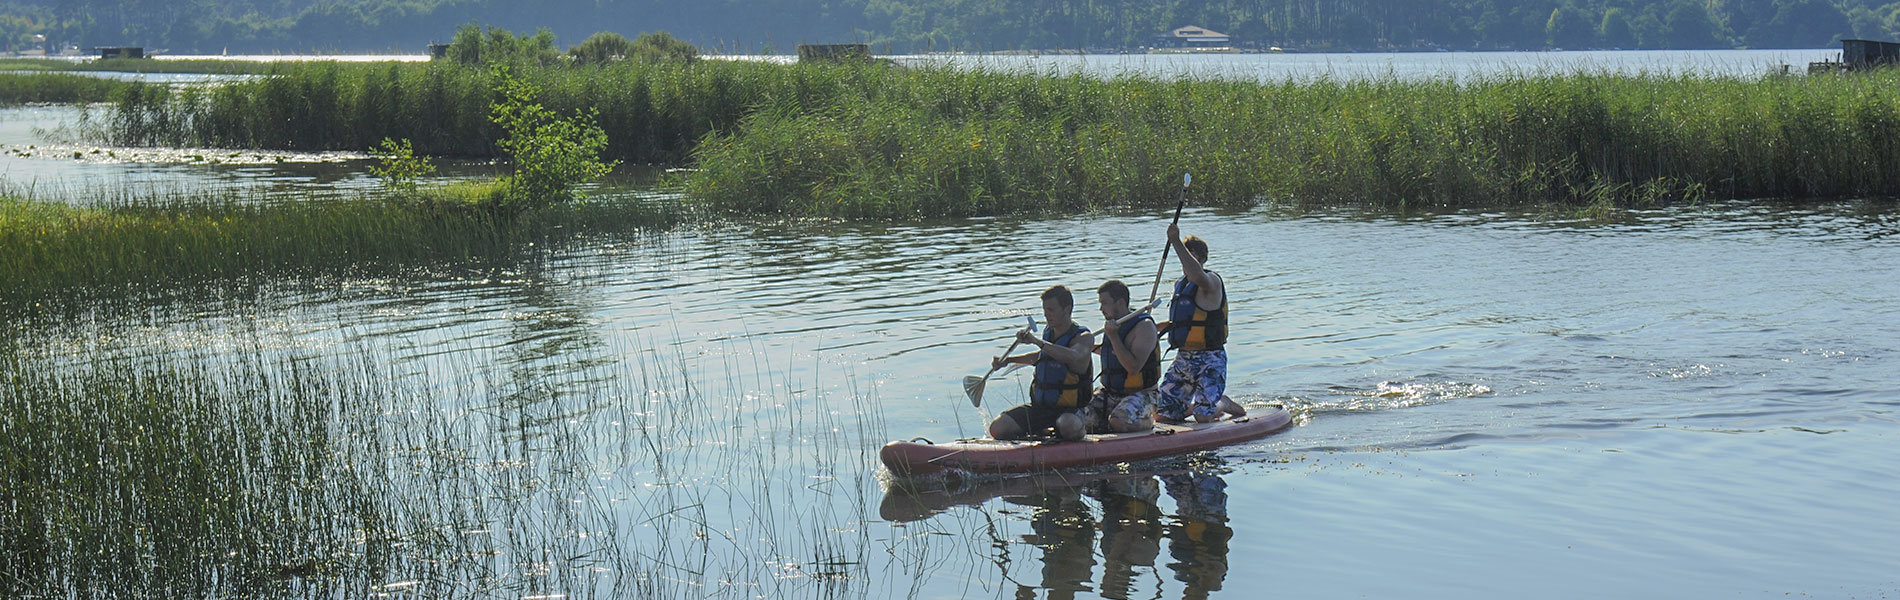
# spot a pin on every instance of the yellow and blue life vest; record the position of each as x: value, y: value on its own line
x: 1195, y: 328
x: 1117, y: 379
x: 1055, y: 385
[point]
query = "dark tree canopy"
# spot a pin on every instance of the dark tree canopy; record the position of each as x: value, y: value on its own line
x: 406, y: 26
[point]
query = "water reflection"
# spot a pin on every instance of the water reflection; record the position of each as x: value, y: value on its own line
x: 1078, y: 521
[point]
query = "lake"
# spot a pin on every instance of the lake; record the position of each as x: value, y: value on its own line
x: 1403, y: 65
x: 1691, y: 401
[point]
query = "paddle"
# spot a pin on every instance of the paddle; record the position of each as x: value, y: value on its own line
x: 1186, y: 178
x: 973, y: 385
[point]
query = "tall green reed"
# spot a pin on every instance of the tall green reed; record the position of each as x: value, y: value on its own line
x: 50, y: 248
x: 880, y: 141
x: 30, y: 88
x: 237, y: 465
x: 958, y: 142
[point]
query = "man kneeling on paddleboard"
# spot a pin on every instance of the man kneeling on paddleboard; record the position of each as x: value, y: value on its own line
x: 1064, y: 372
x: 1131, y: 367
x: 1197, y: 328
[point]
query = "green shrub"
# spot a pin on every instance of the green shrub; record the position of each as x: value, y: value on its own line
x: 550, y: 155
x: 477, y: 46
x: 399, y: 167
x: 661, y: 46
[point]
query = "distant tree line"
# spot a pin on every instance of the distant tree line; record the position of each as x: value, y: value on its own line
x: 211, y: 26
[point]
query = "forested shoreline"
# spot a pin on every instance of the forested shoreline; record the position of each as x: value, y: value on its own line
x: 908, y: 26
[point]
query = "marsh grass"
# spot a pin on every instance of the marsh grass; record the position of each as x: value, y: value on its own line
x: 652, y: 113
x: 49, y: 248
x: 964, y: 143
x: 881, y: 141
x: 242, y: 467
x: 30, y: 88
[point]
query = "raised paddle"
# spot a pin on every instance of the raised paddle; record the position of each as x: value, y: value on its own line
x: 973, y: 385
x: 1186, y: 178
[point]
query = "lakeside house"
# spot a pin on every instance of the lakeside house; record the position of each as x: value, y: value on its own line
x: 1860, y: 55
x: 1192, y: 36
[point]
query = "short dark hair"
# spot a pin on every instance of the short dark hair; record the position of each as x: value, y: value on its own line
x: 1196, y: 246
x: 1115, y: 289
x: 1060, y: 293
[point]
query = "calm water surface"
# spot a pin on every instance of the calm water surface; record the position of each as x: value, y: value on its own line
x: 1695, y: 401
x: 1404, y: 65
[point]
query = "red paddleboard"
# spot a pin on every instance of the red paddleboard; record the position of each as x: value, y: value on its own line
x: 908, y: 459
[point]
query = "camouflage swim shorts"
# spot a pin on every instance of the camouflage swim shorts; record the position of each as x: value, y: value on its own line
x: 1194, y: 382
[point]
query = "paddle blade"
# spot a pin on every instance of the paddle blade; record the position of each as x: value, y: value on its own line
x: 973, y: 387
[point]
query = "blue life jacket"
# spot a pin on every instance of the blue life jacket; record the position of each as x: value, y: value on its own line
x: 1055, y: 386
x: 1194, y: 328
x: 1117, y: 379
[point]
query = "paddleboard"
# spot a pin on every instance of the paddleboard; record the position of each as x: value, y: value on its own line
x: 919, y: 458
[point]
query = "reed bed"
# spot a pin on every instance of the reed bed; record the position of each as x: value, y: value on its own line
x: 49, y: 248
x: 243, y: 468
x: 56, y: 88
x: 881, y: 141
x: 652, y: 113
x: 958, y: 143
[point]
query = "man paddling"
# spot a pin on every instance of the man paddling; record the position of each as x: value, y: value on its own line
x: 1197, y: 330
x: 1064, y: 372
x: 1131, y: 367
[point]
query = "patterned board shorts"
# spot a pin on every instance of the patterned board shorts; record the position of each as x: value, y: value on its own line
x: 1133, y: 407
x: 1195, y: 381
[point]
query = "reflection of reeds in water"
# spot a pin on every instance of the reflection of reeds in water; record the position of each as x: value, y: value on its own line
x: 256, y: 471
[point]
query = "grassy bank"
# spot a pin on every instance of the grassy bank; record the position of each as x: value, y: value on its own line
x: 50, y: 247
x: 959, y: 143
x: 28, y: 88
x: 875, y: 141
x: 653, y: 114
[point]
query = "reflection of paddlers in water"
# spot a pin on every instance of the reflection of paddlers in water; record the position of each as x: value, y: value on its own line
x: 1197, y: 329
x: 1198, y: 539
x: 1131, y: 531
x: 1132, y: 527
x: 1065, y: 531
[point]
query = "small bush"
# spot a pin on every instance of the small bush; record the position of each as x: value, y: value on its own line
x: 474, y: 45
x: 551, y: 155
x: 399, y: 167
x: 661, y: 46
x: 602, y: 47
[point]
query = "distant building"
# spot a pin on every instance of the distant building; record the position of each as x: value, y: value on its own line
x: 1867, y: 54
x: 1192, y: 36
x: 1860, y: 55
x: 120, y: 51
